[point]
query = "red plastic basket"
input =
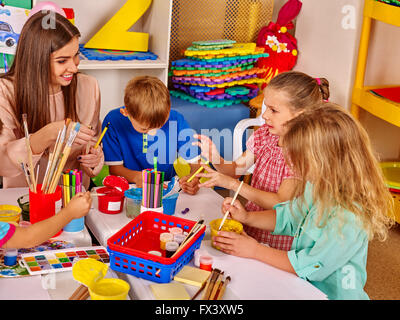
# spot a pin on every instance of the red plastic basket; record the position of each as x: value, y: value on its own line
x: 129, y: 247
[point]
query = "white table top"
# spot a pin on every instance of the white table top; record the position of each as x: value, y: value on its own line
x: 251, y: 279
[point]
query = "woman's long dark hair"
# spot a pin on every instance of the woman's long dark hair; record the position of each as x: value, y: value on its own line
x: 30, y: 72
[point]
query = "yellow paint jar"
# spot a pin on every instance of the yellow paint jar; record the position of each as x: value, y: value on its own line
x: 10, y: 213
x: 229, y: 225
x: 164, y: 238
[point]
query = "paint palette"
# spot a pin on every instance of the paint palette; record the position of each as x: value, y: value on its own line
x: 61, y: 260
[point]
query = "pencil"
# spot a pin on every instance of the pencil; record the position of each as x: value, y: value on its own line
x: 233, y: 200
x: 198, y: 171
x: 101, y: 136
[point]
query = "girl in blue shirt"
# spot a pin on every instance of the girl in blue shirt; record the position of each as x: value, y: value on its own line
x: 341, y: 203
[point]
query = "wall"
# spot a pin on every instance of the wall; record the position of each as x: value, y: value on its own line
x: 328, y: 35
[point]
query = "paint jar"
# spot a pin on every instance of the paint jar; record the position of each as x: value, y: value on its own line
x: 43, y: 206
x: 197, y: 254
x: 229, y: 225
x: 76, y: 225
x: 175, y: 230
x: 164, y: 238
x: 109, y: 289
x: 169, y: 203
x: 10, y: 257
x: 179, y: 238
x: 170, y: 248
x: 112, y: 202
x: 206, y: 263
x: 133, y: 202
x: 10, y: 213
x: 156, y: 253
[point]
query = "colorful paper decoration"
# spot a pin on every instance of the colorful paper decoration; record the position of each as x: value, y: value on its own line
x: 12, y: 20
x: 114, y: 35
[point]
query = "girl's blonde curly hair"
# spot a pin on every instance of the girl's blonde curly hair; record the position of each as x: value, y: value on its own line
x: 329, y: 148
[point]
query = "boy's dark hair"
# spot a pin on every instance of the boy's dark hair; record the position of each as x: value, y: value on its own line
x: 147, y: 100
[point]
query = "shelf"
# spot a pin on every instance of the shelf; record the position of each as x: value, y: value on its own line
x: 378, y: 106
x: 382, y: 12
x: 122, y: 64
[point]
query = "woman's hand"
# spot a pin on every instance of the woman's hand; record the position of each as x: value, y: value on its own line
x: 79, y: 205
x: 216, y: 179
x: 208, y: 148
x: 85, y: 135
x: 91, y: 161
x: 240, y: 245
x: 191, y: 187
x: 236, y: 211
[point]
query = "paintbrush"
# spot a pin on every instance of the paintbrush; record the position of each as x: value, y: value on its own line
x: 223, y: 288
x: 227, y: 211
x: 194, y: 174
x: 27, y: 178
x: 216, y: 286
x: 64, y: 158
x: 192, y: 232
x: 210, y: 284
x: 203, y: 285
x: 29, y: 151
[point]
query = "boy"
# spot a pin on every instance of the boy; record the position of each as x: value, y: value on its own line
x: 146, y: 128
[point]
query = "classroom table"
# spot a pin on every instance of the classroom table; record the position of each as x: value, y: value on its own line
x: 251, y: 279
x: 79, y: 239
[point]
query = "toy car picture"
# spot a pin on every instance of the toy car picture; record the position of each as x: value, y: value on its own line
x: 7, y: 35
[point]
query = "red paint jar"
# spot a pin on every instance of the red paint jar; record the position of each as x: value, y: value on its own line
x: 206, y: 263
x: 112, y: 202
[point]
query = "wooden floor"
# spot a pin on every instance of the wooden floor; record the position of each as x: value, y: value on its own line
x: 383, y: 264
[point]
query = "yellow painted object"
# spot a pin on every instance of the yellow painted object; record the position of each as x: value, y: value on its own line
x: 391, y: 171
x: 362, y: 97
x: 229, y: 225
x: 169, y: 291
x: 396, y: 211
x: 91, y: 272
x: 115, y: 35
x: 10, y: 213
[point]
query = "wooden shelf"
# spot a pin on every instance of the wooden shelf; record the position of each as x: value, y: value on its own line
x: 380, y: 107
x: 122, y: 64
x: 382, y: 12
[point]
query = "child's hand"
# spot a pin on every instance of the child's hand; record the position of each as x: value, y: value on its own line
x: 191, y: 187
x: 208, y: 148
x: 236, y: 211
x: 240, y: 245
x: 79, y: 205
x: 215, y: 179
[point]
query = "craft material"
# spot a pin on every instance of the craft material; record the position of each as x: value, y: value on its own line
x: 164, y: 238
x: 81, y: 293
x: 23, y: 202
x: 156, y: 253
x: 169, y: 203
x: 221, y: 292
x: 210, y: 283
x: 229, y: 225
x: 10, y: 257
x: 193, y: 276
x: 199, y: 253
x: 179, y: 238
x: 152, y: 188
x: 201, y: 288
x: 175, y: 230
x: 194, y: 174
x: 233, y: 200
x: 112, y: 201
x: 72, y: 184
x: 170, y: 248
x: 133, y: 202
x: 60, y: 260
x: 129, y: 247
x: 186, y: 210
x: 206, y: 262
x: 101, y: 136
x: 216, y: 286
x: 9, y: 213
x: 91, y: 273
x: 32, y: 185
x: 43, y: 206
x: 169, y: 291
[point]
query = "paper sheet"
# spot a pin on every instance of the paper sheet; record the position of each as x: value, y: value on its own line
x: 23, y: 288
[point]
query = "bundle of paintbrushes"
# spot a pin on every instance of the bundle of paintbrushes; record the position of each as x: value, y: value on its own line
x: 71, y: 185
x: 152, y: 188
x: 59, y: 157
x: 215, y: 286
x: 28, y: 168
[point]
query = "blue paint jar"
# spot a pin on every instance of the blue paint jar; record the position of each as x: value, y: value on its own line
x: 10, y: 257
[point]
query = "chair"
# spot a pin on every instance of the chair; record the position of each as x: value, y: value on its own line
x: 244, y: 124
